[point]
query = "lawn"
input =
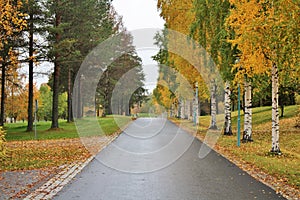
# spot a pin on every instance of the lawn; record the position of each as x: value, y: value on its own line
x: 147, y: 115
x: 17, y: 131
x: 285, y: 168
x: 53, y: 148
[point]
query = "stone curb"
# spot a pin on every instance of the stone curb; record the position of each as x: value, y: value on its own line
x: 56, y: 184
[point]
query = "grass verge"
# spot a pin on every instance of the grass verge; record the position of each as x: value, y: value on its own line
x: 17, y: 131
x: 255, y: 155
x: 53, y: 148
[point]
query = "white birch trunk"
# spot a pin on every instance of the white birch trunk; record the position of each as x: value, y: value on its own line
x: 182, y: 109
x: 186, y: 109
x: 190, y: 110
x: 247, y: 136
x: 227, y: 125
x: 275, y: 111
x: 196, y: 109
x: 213, y: 124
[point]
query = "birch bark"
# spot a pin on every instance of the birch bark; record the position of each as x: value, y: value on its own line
x: 247, y: 136
x: 213, y: 124
x: 227, y: 125
x: 275, y: 111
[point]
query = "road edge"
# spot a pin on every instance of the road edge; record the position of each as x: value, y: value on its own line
x: 258, y: 175
x: 54, y: 185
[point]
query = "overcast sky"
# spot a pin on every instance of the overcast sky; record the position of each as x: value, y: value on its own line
x: 141, y: 14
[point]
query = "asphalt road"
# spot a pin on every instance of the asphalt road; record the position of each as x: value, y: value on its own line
x: 154, y: 159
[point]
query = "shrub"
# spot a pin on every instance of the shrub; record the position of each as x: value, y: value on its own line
x: 2, y: 144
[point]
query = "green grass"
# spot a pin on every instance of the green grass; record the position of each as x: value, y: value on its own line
x: 256, y: 154
x: 147, y: 115
x: 17, y: 131
x: 263, y: 115
x: 55, y: 147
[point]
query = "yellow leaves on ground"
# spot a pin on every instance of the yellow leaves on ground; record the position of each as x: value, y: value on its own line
x: 43, y: 154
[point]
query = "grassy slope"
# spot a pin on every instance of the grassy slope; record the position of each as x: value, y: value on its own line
x: 285, y: 167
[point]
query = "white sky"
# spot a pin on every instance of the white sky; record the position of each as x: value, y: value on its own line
x: 141, y: 14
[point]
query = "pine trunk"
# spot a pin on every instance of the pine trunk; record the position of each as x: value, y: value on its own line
x: 213, y: 102
x: 247, y: 136
x: 54, y: 124
x: 227, y: 125
x: 30, y: 86
x: 275, y: 111
x: 70, y: 113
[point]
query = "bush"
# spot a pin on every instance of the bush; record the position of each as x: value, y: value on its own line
x: 2, y: 143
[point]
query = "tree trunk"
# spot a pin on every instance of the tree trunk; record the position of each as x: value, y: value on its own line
x: 70, y: 113
x: 275, y: 112
x: 213, y: 102
x: 247, y: 136
x: 56, y: 79
x: 2, y: 115
x: 190, y: 110
x: 197, y: 104
x: 227, y: 125
x: 30, y: 85
x: 182, y: 111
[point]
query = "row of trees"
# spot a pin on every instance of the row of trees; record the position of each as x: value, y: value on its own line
x: 253, y: 43
x: 17, y: 103
x: 62, y: 32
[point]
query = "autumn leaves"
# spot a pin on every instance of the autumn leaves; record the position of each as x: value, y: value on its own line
x: 251, y: 42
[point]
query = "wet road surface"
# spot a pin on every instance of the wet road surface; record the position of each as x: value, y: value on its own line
x: 154, y: 159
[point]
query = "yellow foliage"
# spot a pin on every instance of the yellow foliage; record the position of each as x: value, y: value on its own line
x: 11, y: 20
x: 2, y: 144
x: 179, y: 16
x: 265, y: 33
x: 17, y: 101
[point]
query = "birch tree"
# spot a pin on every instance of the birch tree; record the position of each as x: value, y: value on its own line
x: 179, y: 17
x: 267, y: 35
x: 247, y: 135
x: 227, y: 125
x: 209, y: 30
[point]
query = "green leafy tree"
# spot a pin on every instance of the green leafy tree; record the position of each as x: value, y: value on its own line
x: 79, y: 27
x: 128, y: 64
x: 208, y: 29
x: 45, y: 106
